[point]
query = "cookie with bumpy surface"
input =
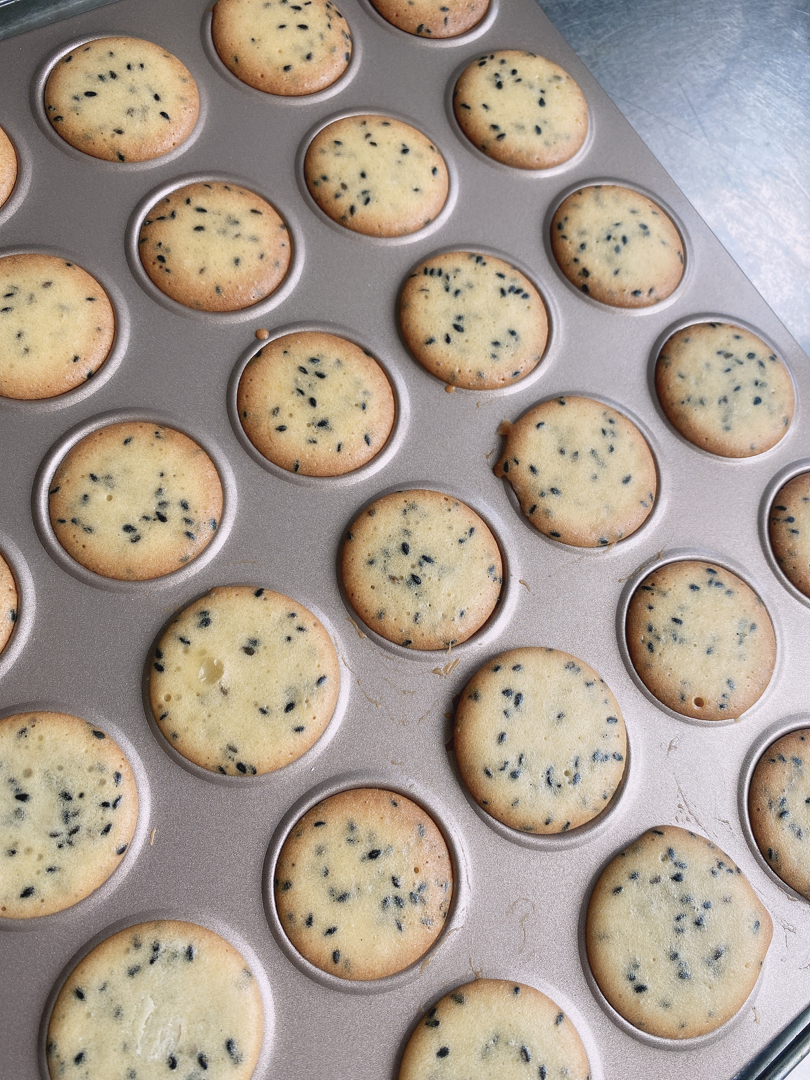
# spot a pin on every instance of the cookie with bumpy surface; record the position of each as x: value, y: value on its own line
x: 540, y: 740
x: 675, y: 934
x: 779, y: 808
x: 316, y: 404
x: 421, y: 569
x: 215, y: 246
x: 724, y: 389
x: 700, y: 640
x: 135, y: 500
x: 155, y: 1000
x: 57, y: 326
x: 789, y: 531
x: 617, y: 246
x: 521, y: 109
x: 8, y: 167
x: 473, y: 320
x: 583, y: 473
x: 376, y: 175
x: 9, y: 603
x: 68, y: 809
x: 433, y: 18
x: 494, y: 1029
x: 363, y: 884
x: 121, y: 99
x: 244, y: 681
x: 282, y: 48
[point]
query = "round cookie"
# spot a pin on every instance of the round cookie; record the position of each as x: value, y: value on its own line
x: 539, y: 740
x: 675, y: 934
x: 433, y: 18
x: 789, y: 531
x: 617, y: 246
x: 155, y: 1000
x: 473, y: 320
x: 135, y: 500
x: 121, y: 99
x: 244, y: 681
x: 421, y: 569
x: 68, y: 809
x: 376, y: 175
x: 8, y: 167
x: 363, y: 884
x: 779, y: 808
x: 57, y: 326
x: 214, y: 246
x: 9, y: 603
x: 724, y: 390
x: 492, y: 1029
x: 700, y: 640
x: 521, y: 109
x: 582, y: 472
x: 316, y: 404
x: 279, y: 48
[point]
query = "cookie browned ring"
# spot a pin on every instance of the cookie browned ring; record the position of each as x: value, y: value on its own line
x: 617, y: 246
x: 57, y: 326
x: 433, y: 18
x: 521, y: 109
x: 243, y: 681
x: 281, y: 48
x: 315, y: 404
x: 724, y: 389
x: 215, y: 246
x: 9, y: 602
x: 121, y: 99
x: 494, y: 1028
x: 8, y: 167
x: 473, y: 320
x: 540, y: 740
x: 363, y: 884
x: 376, y: 175
x: 779, y: 808
x: 789, y: 531
x: 583, y: 473
x: 135, y: 500
x: 701, y: 640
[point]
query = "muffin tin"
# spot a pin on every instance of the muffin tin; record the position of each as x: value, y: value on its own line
x: 206, y: 846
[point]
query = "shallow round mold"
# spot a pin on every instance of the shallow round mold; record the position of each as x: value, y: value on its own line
x: 504, y: 606
x: 118, y: 348
x: 59, y: 450
x: 459, y: 860
x: 392, y: 445
x: 37, y: 102
x: 675, y: 555
x: 633, y: 312
x: 300, y: 765
x: 246, y: 314
x: 417, y: 235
